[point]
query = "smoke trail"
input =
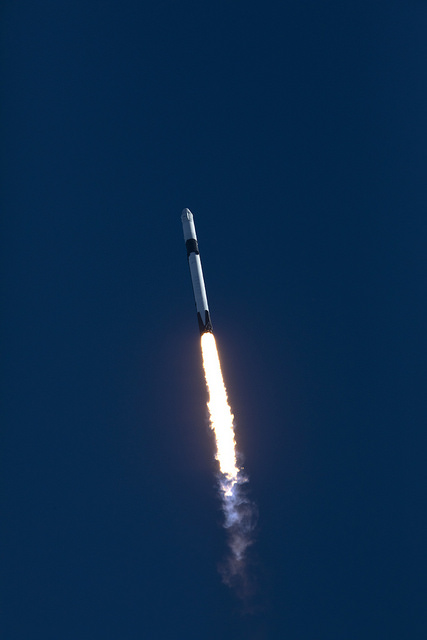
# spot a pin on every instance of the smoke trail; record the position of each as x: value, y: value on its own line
x: 239, y: 512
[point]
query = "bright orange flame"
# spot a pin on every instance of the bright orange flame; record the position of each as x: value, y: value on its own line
x: 221, y: 417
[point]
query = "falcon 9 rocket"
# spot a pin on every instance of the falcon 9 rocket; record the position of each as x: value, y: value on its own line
x: 196, y: 272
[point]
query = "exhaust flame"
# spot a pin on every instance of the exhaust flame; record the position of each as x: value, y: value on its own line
x: 220, y: 412
x: 240, y: 514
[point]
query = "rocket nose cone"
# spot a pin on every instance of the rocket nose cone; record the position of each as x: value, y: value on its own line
x: 186, y: 214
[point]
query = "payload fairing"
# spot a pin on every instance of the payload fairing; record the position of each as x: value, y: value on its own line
x: 196, y: 272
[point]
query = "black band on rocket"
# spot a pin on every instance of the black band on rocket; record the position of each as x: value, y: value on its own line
x: 192, y: 246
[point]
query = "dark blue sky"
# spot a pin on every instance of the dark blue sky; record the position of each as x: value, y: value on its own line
x: 296, y: 133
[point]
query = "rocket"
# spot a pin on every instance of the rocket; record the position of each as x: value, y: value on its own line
x: 196, y: 272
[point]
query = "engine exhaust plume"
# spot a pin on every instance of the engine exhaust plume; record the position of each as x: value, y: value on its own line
x: 239, y: 512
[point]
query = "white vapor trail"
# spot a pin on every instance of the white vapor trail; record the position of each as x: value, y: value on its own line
x: 239, y: 512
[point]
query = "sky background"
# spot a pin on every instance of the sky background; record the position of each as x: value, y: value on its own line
x: 296, y: 133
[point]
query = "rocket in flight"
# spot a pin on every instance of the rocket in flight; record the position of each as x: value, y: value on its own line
x: 196, y: 272
x: 239, y: 512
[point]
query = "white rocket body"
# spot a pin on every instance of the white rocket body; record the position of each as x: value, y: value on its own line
x: 196, y: 272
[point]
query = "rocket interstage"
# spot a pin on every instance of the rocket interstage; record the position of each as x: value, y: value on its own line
x: 239, y: 512
x: 196, y: 272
